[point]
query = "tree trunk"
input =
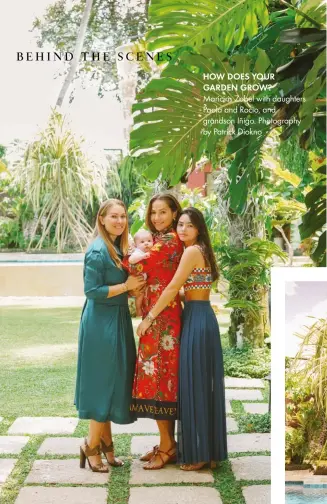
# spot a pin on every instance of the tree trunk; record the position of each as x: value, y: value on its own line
x: 244, y: 328
x: 77, y: 52
x: 256, y: 330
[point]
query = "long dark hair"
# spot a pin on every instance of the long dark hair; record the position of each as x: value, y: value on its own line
x: 171, y: 201
x: 203, y: 239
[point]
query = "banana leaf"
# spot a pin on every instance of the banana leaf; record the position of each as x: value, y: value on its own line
x: 183, y: 23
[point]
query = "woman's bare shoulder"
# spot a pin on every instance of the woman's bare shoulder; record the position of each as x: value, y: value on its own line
x: 192, y: 252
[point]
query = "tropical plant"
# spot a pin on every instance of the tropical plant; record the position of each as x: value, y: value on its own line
x: 183, y: 24
x: 174, y: 109
x: 310, y: 363
x: 131, y: 180
x: 172, y: 113
x: 247, y: 362
x: 15, y: 214
x: 305, y: 422
x: 314, y: 220
x: 247, y: 270
x: 305, y: 74
x: 255, y: 423
x: 58, y: 180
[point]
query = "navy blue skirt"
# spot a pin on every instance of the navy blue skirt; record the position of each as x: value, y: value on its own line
x: 201, y: 406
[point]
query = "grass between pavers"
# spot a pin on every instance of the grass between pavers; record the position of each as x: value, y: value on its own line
x: 118, y: 485
x: 230, y: 490
x: 22, y: 468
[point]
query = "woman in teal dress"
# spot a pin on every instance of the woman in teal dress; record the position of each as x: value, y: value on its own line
x: 106, y: 350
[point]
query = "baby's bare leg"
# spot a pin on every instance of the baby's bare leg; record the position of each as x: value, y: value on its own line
x: 138, y: 304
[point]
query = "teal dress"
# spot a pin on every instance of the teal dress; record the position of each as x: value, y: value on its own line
x: 106, y: 348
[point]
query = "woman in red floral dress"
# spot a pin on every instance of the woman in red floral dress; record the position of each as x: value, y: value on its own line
x: 156, y: 374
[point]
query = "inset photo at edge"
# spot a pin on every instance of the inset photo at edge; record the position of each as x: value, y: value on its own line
x: 299, y: 311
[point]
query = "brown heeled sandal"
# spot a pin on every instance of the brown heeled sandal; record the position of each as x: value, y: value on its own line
x: 171, y: 459
x: 109, y: 449
x: 85, y: 452
x: 148, y: 455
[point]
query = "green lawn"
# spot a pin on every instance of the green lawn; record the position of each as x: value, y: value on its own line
x: 38, y: 361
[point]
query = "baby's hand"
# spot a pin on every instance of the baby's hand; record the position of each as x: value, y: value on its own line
x: 137, y: 257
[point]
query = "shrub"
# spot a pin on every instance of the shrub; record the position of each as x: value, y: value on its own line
x: 255, y: 423
x: 247, y: 362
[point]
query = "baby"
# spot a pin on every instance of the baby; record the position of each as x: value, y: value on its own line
x: 143, y: 241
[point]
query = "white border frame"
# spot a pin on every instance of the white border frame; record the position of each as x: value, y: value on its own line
x: 279, y: 276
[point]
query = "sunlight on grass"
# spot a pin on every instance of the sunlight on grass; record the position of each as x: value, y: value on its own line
x: 38, y: 361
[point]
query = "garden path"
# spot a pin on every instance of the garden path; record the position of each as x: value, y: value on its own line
x: 39, y: 462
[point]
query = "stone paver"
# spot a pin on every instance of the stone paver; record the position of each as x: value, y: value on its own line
x: 231, y: 425
x: 6, y: 466
x: 43, y: 425
x: 244, y: 383
x: 243, y: 395
x: 174, y: 495
x: 60, y: 446
x: 169, y: 474
x: 257, y: 494
x: 12, y: 444
x: 73, y: 495
x: 64, y: 471
x: 253, y: 442
x: 259, y: 408
x: 251, y: 468
x: 228, y: 408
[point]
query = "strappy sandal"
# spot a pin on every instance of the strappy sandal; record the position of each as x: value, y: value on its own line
x: 86, y: 452
x: 148, y: 455
x: 171, y: 458
x: 109, y: 449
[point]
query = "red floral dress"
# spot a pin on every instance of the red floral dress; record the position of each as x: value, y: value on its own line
x: 156, y: 373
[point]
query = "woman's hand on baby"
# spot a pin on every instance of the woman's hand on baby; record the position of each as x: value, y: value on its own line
x: 137, y: 292
x: 143, y: 327
x: 135, y: 282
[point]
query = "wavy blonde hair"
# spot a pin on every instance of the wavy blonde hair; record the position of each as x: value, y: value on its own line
x: 100, y: 230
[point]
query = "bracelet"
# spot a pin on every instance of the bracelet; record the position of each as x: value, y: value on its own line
x: 150, y: 317
x: 125, y: 289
